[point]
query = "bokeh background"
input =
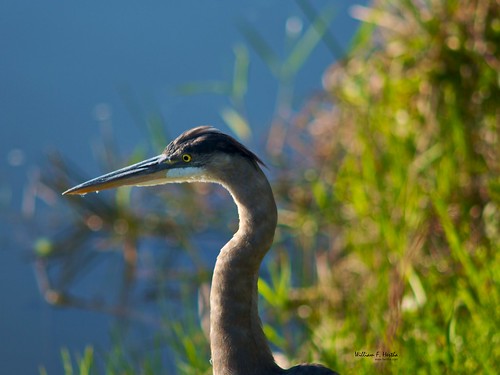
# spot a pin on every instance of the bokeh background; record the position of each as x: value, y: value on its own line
x: 74, y: 72
x: 380, y: 127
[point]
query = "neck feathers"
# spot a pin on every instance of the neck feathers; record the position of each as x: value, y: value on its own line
x: 237, y: 340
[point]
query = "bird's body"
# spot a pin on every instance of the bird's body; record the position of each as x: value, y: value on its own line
x: 237, y: 341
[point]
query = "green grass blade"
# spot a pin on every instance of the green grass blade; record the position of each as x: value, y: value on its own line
x: 240, y: 78
x: 317, y: 21
x: 236, y: 122
x: 261, y: 47
x: 66, y: 359
x: 306, y: 44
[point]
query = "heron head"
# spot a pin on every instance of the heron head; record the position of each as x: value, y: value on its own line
x: 200, y: 154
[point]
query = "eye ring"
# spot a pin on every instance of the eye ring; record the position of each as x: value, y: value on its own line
x: 186, y: 158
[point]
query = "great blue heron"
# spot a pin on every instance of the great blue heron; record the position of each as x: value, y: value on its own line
x: 237, y: 342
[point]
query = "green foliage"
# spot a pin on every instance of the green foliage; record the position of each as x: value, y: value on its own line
x: 82, y: 365
x: 405, y: 192
x: 233, y: 115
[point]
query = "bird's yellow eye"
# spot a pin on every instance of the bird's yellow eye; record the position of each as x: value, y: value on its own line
x: 186, y: 157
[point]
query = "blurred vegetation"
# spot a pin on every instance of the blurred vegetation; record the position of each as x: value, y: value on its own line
x: 401, y: 192
x: 388, y: 185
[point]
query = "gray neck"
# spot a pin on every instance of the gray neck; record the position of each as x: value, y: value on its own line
x: 237, y: 341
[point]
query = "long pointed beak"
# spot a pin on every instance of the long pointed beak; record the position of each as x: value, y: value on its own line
x: 148, y: 172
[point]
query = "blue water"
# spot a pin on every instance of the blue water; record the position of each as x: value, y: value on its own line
x: 62, y: 62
